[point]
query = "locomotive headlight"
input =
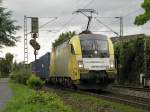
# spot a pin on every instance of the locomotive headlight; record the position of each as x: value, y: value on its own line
x: 80, y: 64
x: 95, y: 52
x: 112, y: 64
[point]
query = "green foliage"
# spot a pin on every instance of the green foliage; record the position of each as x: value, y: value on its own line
x: 35, y: 82
x: 41, y: 97
x: 9, y: 57
x: 7, y: 28
x: 24, y: 97
x: 6, y: 65
x: 143, y: 18
x: 130, y: 57
x: 63, y: 37
x: 20, y: 74
x: 147, y: 55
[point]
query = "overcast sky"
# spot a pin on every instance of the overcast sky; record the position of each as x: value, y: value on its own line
x: 63, y: 9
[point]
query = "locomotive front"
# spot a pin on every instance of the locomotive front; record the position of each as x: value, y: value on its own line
x: 96, y: 61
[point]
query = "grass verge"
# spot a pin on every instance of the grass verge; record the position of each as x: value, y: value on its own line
x: 95, y: 104
x: 86, y: 103
x: 27, y: 100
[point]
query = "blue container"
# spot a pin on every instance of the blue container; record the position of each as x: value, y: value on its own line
x: 41, y: 66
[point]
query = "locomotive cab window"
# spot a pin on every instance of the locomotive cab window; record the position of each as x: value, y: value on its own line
x: 94, y: 48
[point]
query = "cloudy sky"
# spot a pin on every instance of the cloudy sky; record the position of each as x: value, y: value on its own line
x: 63, y: 9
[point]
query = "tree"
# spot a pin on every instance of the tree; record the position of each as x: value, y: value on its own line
x: 7, y: 28
x: 6, y: 64
x: 144, y: 18
x: 130, y: 58
x: 9, y: 57
x: 63, y: 37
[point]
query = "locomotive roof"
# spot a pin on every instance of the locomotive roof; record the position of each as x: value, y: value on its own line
x: 92, y: 36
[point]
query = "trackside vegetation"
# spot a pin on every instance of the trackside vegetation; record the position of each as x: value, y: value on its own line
x: 63, y: 37
x: 28, y: 100
x: 6, y: 65
x: 130, y: 55
x: 35, y: 82
x: 23, y: 75
x: 20, y: 74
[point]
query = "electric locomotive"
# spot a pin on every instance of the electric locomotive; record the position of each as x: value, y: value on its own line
x: 86, y: 61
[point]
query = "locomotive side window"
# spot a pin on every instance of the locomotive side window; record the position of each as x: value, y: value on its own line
x: 72, y: 49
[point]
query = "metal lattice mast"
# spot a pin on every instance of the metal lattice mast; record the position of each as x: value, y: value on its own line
x: 25, y: 41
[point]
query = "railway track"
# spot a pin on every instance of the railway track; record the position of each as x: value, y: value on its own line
x: 128, y: 100
x: 132, y: 88
x: 123, y: 99
x: 138, y: 102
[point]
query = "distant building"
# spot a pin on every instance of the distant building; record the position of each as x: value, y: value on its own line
x: 126, y: 38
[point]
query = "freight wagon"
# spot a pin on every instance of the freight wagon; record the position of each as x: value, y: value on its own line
x: 41, y: 66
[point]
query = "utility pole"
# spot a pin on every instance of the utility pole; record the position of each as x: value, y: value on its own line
x: 120, y: 35
x: 121, y: 25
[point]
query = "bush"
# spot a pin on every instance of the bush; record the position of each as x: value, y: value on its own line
x: 20, y: 76
x: 35, y: 82
x: 20, y: 73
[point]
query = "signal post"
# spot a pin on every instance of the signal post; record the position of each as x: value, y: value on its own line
x: 34, y: 35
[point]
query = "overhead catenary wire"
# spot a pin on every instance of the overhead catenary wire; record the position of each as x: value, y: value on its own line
x: 48, y: 22
x: 67, y: 23
x: 131, y: 13
x: 115, y: 20
x: 124, y: 16
x: 86, y: 5
x: 106, y: 26
x: 89, y: 3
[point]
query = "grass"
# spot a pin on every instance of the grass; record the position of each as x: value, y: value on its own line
x: 27, y: 100
x: 86, y: 103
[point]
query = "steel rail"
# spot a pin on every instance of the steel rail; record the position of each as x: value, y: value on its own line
x: 132, y: 88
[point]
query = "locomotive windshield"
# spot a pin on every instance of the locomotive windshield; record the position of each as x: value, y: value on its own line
x: 94, y: 48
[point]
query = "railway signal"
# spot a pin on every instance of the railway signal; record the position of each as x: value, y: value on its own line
x: 34, y: 44
x: 34, y: 25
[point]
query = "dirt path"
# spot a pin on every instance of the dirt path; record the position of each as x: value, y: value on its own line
x: 5, y: 91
